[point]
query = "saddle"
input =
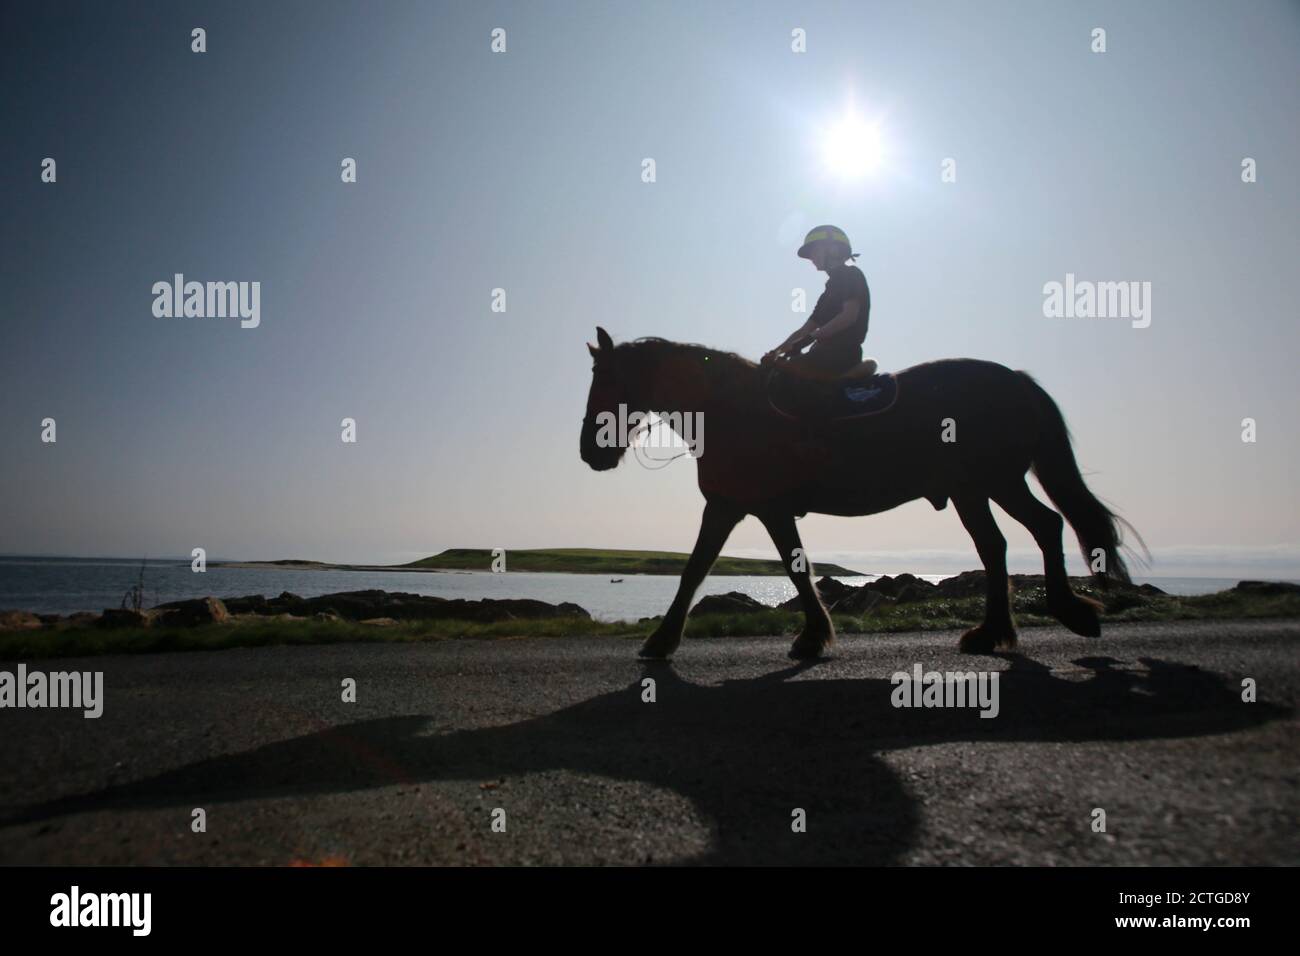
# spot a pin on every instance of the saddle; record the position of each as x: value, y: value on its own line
x: 857, y: 393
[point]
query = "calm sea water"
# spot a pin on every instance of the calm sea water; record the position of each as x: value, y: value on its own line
x: 66, y: 585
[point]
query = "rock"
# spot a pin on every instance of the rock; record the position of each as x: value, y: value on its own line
x: 1150, y: 590
x: 286, y: 603
x: 251, y: 604
x: 733, y: 602
x: 892, y: 587
x: 380, y: 622
x: 328, y: 615
x: 904, y: 588
x: 1267, y: 588
x: 207, y: 610
x: 912, y: 592
x: 858, y: 601
x: 911, y: 580
x: 19, y: 621
x: 964, y: 585
x: 882, y: 585
x: 114, y: 617
x: 831, y: 591
x: 364, y: 605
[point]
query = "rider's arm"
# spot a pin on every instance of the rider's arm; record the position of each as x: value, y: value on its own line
x: 848, y: 315
x: 798, y: 335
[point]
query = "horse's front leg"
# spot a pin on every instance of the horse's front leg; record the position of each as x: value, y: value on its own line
x: 818, y: 631
x: 719, y: 521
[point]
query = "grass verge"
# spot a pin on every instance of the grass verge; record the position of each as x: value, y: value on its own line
x: 931, y: 615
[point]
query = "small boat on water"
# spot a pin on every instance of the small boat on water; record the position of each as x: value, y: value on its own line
x: 615, y: 580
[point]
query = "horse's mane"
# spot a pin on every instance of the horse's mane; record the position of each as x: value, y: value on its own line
x: 653, y: 346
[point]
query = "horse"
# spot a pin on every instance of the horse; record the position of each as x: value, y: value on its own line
x: 959, y: 429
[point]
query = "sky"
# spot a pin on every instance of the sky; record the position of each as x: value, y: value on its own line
x: 522, y: 171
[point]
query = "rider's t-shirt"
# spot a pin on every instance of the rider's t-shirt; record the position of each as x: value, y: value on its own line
x: 842, y: 285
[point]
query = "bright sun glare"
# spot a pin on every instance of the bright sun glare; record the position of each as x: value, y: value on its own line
x: 852, y: 148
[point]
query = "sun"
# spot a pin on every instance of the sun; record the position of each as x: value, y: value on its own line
x: 852, y: 148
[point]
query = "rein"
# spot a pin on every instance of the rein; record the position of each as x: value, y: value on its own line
x: 637, y: 450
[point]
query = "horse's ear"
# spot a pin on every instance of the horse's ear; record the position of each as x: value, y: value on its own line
x: 603, y: 339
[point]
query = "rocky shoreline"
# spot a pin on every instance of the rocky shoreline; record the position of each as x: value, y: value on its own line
x: 381, y: 608
x: 885, y: 591
x: 364, y: 607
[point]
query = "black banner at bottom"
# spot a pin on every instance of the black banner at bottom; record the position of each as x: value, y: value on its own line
x: 332, y: 905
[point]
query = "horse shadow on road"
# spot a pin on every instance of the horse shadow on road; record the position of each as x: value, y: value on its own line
x: 745, y: 752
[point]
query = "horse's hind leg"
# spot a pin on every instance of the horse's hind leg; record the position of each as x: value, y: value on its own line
x: 818, y: 631
x: 997, y: 631
x: 1077, y: 613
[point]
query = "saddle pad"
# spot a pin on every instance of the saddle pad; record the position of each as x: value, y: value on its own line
x: 844, y: 400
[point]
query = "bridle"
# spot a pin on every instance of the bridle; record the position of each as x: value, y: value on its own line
x: 661, y: 463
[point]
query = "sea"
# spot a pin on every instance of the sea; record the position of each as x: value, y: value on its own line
x: 48, y: 585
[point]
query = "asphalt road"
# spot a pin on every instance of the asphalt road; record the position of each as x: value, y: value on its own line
x: 1146, y: 723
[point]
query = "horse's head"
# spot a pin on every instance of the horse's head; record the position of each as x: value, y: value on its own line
x: 605, y: 429
x: 645, y: 383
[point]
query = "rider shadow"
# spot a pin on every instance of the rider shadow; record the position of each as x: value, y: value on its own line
x: 746, y: 752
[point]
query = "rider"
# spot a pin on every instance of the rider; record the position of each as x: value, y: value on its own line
x: 838, y: 323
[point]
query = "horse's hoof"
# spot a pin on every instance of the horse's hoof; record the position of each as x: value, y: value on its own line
x: 808, y: 647
x: 985, y: 639
x: 1078, y: 614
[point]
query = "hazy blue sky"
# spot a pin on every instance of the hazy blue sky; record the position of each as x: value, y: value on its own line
x: 522, y: 171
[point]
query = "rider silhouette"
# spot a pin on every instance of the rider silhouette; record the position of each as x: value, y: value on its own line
x: 838, y: 323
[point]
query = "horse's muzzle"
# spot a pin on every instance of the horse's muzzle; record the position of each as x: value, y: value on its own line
x: 598, y: 457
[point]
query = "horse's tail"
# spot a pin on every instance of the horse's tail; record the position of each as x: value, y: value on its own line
x: 1097, y: 527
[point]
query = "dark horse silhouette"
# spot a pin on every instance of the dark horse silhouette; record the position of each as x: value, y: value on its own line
x: 961, y: 429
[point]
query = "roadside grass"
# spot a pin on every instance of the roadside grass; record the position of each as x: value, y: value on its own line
x: 930, y: 615
x: 243, y: 632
